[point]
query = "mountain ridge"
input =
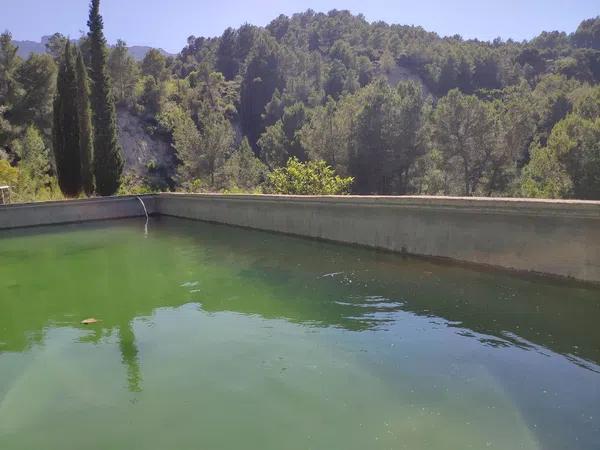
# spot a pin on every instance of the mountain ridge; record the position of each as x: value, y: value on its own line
x: 26, y: 47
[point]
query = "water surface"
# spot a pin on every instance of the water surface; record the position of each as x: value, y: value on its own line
x: 217, y: 337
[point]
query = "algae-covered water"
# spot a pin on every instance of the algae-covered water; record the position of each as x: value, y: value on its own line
x: 212, y: 337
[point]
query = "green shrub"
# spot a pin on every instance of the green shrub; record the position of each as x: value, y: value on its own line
x: 310, y: 178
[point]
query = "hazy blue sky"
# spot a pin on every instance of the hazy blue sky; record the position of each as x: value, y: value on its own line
x: 168, y: 23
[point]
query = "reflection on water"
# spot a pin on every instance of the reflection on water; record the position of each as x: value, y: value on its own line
x: 334, y: 347
x: 129, y: 353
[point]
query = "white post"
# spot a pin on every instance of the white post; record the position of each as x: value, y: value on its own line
x: 2, y: 190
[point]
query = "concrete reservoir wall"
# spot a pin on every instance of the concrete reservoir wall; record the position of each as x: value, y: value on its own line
x: 546, y: 236
x: 50, y: 213
x: 552, y: 237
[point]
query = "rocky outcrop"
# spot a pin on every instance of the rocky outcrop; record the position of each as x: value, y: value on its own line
x: 400, y: 73
x: 147, y: 155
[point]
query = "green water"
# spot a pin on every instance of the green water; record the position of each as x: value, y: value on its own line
x: 214, y: 337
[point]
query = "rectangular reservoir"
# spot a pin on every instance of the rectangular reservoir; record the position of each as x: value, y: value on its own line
x: 211, y: 336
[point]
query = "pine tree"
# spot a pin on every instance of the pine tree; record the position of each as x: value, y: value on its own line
x: 86, y: 148
x: 108, y: 161
x: 65, y: 132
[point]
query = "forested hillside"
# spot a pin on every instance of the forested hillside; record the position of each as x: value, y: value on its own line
x: 399, y: 109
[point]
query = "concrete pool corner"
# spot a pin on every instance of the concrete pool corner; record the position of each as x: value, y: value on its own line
x: 552, y: 237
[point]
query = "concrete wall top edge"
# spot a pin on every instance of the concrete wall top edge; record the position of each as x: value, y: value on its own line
x: 383, y: 197
x: 75, y: 202
x: 485, y: 205
x: 510, y: 206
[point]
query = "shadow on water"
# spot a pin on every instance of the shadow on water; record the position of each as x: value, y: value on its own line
x: 57, y: 276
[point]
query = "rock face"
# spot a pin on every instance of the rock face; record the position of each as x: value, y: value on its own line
x: 400, y: 73
x: 146, y: 155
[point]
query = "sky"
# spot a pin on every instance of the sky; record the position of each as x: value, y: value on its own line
x: 168, y: 23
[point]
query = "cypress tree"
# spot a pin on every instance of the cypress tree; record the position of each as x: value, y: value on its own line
x: 108, y: 161
x: 65, y: 132
x: 85, y: 127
